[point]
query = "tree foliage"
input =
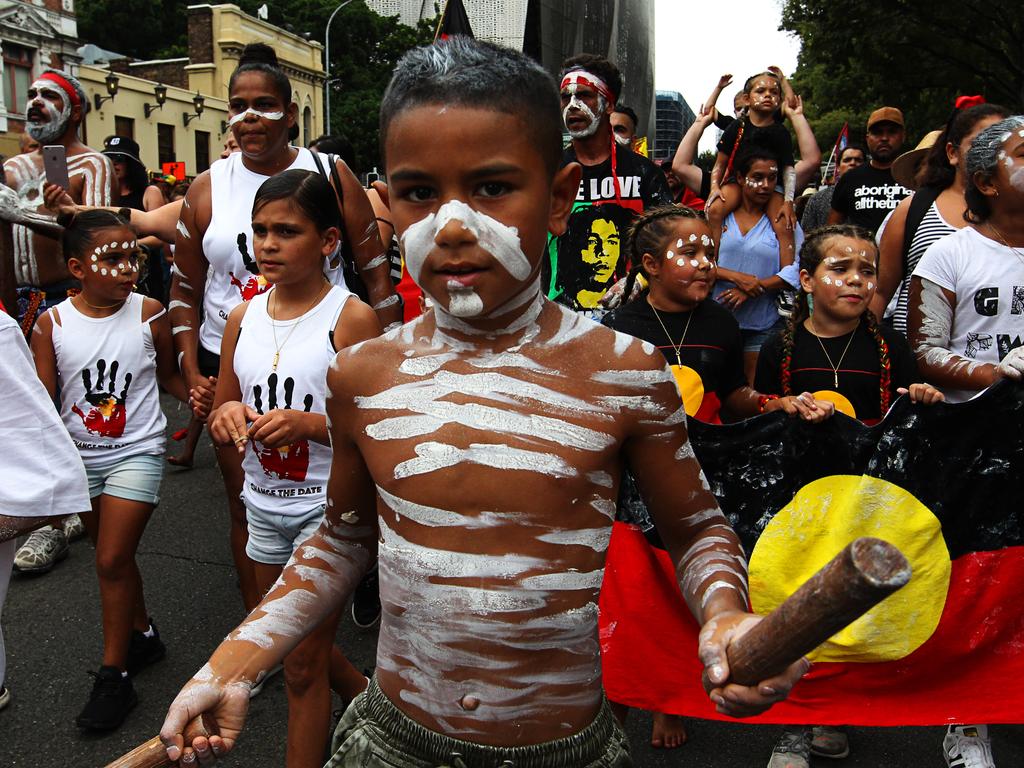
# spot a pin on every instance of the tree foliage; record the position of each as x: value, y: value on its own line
x: 365, y: 47
x: 857, y: 55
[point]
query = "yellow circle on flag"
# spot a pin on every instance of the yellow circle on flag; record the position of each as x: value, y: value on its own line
x: 690, y: 386
x: 825, y: 516
x: 843, y: 405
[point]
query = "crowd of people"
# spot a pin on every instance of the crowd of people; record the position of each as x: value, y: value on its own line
x: 566, y: 308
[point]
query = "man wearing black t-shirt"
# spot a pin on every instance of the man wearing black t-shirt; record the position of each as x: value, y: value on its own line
x: 865, y: 195
x: 617, y: 184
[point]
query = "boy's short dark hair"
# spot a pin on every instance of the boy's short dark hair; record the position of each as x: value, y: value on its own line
x: 599, y: 66
x: 628, y: 112
x: 465, y: 72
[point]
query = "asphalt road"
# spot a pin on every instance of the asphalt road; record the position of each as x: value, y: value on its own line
x: 52, y: 627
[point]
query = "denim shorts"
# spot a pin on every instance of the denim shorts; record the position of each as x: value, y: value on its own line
x: 374, y: 733
x: 135, y: 478
x: 754, y: 340
x: 273, y: 537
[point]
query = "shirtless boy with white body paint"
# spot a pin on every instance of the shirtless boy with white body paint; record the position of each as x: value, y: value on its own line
x: 56, y: 108
x: 478, y: 449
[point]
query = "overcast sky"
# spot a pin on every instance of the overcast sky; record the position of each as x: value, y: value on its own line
x: 697, y: 41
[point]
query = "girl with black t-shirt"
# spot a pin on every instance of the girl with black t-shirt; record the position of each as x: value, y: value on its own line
x: 832, y: 345
x: 672, y: 248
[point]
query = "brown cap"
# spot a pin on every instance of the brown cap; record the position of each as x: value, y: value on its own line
x: 886, y: 115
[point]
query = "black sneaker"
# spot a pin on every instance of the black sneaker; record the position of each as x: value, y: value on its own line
x: 366, y: 600
x: 111, y: 700
x: 144, y: 651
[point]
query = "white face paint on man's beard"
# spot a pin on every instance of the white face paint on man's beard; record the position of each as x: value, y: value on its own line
x: 57, y: 122
x: 593, y: 125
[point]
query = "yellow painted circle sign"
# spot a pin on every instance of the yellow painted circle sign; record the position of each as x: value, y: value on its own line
x: 825, y: 516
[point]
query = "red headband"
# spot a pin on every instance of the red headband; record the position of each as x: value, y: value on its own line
x: 65, y: 86
x: 582, y: 77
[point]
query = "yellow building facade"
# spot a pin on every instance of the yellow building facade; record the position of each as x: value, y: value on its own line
x: 216, y: 35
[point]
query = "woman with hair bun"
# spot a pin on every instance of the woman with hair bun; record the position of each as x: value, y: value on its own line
x: 214, y: 265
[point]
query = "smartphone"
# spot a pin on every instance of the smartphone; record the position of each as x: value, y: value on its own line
x: 55, y: 163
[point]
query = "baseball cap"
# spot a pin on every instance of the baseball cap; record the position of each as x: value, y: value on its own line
x: 122, y: 147
x: 886, y: 115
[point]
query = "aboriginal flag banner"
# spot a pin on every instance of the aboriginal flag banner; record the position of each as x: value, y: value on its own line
x: 454, y: 21
x: 943, y: 483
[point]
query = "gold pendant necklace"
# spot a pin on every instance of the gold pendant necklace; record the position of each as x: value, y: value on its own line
x: 677, y: 347
x: 273, y: 326
x: 835, y: 368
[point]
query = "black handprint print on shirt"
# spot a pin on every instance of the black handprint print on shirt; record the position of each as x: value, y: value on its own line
x: 287, y: 462
x: 255, y: 285
x: 107, y: 413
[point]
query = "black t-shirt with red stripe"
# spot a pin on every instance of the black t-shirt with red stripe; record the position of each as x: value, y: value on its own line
x: 859, y: 372
x: 712, y: 347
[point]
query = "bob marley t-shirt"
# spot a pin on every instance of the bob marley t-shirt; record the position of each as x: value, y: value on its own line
x: 591, y: 255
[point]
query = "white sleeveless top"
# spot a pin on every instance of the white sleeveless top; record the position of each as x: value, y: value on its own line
x: 289, y: 480
x: 228, y: 282
x: 110, y: 402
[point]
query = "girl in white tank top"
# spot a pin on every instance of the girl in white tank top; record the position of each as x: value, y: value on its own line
x: 271, y: 405
x: 104, y: 351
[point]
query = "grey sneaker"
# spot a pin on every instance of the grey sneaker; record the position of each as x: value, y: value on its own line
x: 968, y: 746
x: 41, y: 551
x: 793, y: 750
x: 73, y: 528
x: 829, y: 742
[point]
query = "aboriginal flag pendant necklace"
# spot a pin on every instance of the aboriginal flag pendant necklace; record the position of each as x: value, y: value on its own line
x: 677, y: 347
x: 835, y: 368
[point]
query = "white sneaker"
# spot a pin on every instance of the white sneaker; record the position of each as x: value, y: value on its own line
x: 257, y: 689
x: 968, y: 746
x: 5, y: 696
x: 73, y: 528
x: 41, y: 551
x: 793, y: 750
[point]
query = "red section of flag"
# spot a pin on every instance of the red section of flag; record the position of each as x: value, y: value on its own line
x: 410, y: 293
x: 967, y: 672
x: 454, y: 21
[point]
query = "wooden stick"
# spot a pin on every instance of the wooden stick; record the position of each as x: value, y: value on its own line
x: 853, y: 582
x: 153, y: 754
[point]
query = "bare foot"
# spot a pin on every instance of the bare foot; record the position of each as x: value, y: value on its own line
x: 668, y: 731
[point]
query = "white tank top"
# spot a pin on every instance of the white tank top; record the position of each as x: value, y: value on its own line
x: 110, y: 402
x: 228, y: 281
x: 289, y: 480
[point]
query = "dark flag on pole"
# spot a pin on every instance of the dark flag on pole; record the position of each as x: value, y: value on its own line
x: 454, y: 21
x: 942, y: 483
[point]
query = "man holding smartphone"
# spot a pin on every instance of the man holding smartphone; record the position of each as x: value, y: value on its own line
x: 55, y: 110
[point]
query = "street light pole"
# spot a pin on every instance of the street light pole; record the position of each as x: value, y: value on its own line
x: 327, y: 67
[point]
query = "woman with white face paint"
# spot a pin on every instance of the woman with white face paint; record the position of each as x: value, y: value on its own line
x: 749, y: 270
x: 966, y: 321
x: 214, y: 265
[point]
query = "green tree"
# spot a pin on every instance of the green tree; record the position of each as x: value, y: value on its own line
x: 365, y: 47
x: 860, y: 54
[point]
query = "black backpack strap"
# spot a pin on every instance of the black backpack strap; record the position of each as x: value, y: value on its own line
x: 319, y: 165
x: 919, y: 205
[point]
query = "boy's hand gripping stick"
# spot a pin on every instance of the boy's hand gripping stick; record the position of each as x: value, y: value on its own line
x: 866, y: 572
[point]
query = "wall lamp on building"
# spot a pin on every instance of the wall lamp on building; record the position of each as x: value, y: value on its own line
x: 197, y: 102
x: 111, y: 81
x: 160, y: 91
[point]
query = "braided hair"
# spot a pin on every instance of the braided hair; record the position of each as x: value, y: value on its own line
x: 811, y: 255
x: 647, y: 234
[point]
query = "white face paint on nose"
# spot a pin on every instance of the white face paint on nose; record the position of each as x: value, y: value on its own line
x: 265, y: 115
x: 497, y: 239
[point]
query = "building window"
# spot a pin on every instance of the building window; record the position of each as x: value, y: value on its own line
x: 165, y: 143
x: 17, y: 76
x: 124, y: 126
x: 202, y: 151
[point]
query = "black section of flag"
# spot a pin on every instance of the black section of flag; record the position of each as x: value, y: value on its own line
x: 454, y: 21
x: 965, y: 462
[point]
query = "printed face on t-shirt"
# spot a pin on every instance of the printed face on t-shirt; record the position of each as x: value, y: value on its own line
x: 602, y: 251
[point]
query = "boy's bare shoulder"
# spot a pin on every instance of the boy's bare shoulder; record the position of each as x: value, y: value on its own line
x: 365, y: 364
